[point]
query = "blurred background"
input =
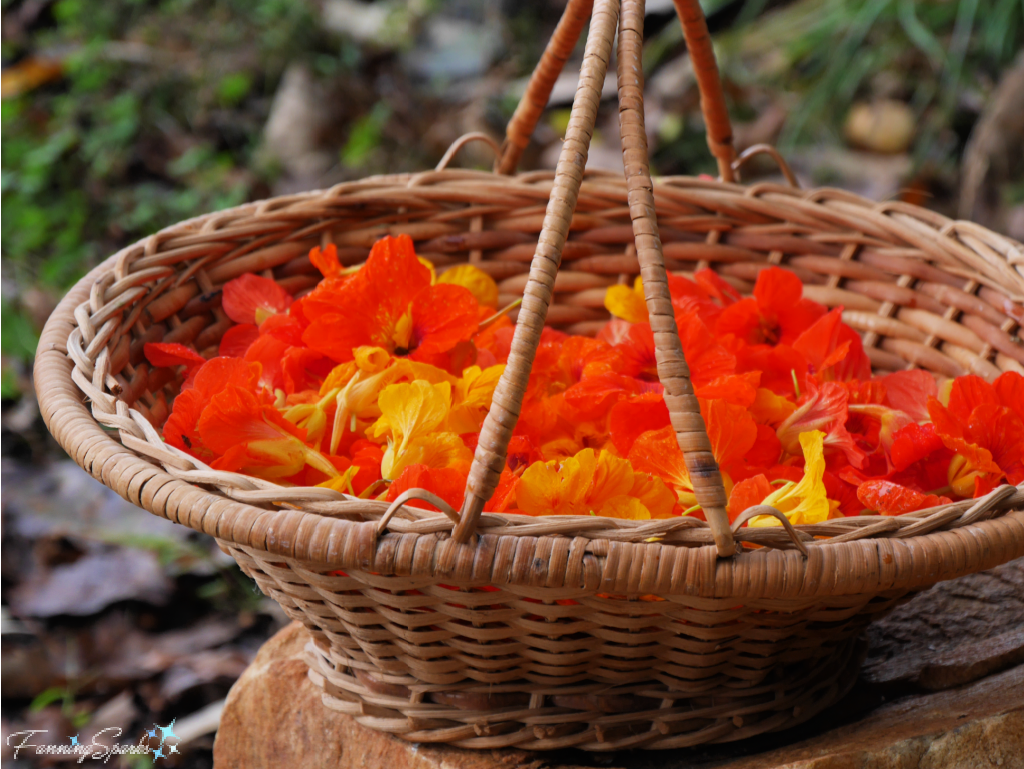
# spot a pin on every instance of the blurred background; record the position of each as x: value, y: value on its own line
x: 121, y: 117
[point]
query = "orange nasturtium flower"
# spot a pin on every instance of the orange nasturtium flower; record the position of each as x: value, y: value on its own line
x: 390, y: 303
x: 592, y: 483
x: 253, y: 438
x: 777, y: 313
x: 890, y: 498
x: 983, y: 424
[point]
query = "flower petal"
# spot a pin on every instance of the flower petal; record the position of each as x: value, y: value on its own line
x: 250, y: 298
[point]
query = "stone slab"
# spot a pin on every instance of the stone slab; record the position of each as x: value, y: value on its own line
x: 274, y: 718
x: 943, y: 686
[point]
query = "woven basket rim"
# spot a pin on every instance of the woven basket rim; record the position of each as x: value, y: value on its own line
x: 314, y: 536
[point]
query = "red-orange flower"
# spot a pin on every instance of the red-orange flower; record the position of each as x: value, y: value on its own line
x: 211, y: 378
x: 777, y: 313
x: 986, y: 434
x: 252, y: 299
x: 890, y: 498
x: 390, y: 303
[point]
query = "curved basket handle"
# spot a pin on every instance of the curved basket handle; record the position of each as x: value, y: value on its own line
x: 673, y: 372
x: 489, y: 459
x: 560, y: 47
x: 538, y: 89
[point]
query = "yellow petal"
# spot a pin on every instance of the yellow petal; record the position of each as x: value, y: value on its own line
x: 626, y: 303
x: 472, y: 398
x: 410, y: 409
x: 770, y: 409
x: 612, y: 477
x: 630, y: 508
x: 538, y: 489
x: 479, y: 283
x: 371, y: 360
x: 806, y: 501
x: 435, y: 450
x: 343, y: 482
x: 339, y: 377
x: 652, y: 492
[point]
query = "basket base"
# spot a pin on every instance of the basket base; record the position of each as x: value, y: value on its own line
x: 550, y: 723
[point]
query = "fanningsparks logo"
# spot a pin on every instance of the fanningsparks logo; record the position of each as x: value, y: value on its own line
x: 102, y: 747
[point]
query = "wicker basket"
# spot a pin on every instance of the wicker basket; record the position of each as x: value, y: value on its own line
x: 540, y: 633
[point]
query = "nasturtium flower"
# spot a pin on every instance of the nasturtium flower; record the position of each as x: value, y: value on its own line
x: 592, y: 483
x: 805, y: 501
x: 390, y: 303
x: 471, y: 398
x: 252, y: 299
x: 657, y: 452
x: 832, y: 349
x: 983, y: 425
x: 379, y: 380
x: 890, y: 498
x: 214, y: 376
x: 824, y: 409
x: 777, y: 313
x: 252, y: 437
x: 476, y: 281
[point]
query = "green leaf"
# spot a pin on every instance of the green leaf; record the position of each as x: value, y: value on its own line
x: 234, y: 88
x: 366, y: 134
x: 17, y: 337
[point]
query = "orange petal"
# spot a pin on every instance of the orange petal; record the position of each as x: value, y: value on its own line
x: 442, y: 316
x: 909, y: 391
x: 219, y: 373
x: 1009, y: 386
x: 631, y: 417
x: 748, y: 493
x: 234, y: 416
x: 446, y: 482
x: 731, y: 430
x: 237, y: 339
x: 893, y: 499
x: 969, y: 392
x: 326, y: 260
x: 162, y: 354
x: 249, y: 296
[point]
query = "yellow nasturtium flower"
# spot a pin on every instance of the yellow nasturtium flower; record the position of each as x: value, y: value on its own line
x: 627, y: 303
x: 806, y: 501
x: 476, y: 281
x: 592, y: 483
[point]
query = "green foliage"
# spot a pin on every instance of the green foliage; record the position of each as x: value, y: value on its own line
x: 137, y: 134
x: 19, y: 338
x: 827, y: 53
x: 65, y: 695
x: 366, y: 135
x: 9, y: 388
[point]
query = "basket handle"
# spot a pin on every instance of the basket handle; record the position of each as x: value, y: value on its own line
x: 489, y: 459
x: 559, y: 48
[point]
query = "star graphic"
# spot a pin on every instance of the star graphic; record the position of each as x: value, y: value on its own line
x: 173, y: 749
x: 167, y: 731
x: 152, y: 732
x: 74, y: 740
x: 158, y: 753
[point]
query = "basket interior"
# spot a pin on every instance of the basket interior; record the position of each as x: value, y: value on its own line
x: 923, y: 291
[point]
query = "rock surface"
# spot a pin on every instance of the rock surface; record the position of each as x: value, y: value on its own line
x: 274, y: 717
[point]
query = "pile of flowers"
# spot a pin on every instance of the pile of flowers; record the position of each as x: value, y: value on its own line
x: 378, y: 381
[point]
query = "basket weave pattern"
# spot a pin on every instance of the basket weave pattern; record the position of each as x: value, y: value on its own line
x: 560, y: 631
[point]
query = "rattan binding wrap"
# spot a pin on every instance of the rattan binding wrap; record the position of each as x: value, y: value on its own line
x: 565, y: 646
